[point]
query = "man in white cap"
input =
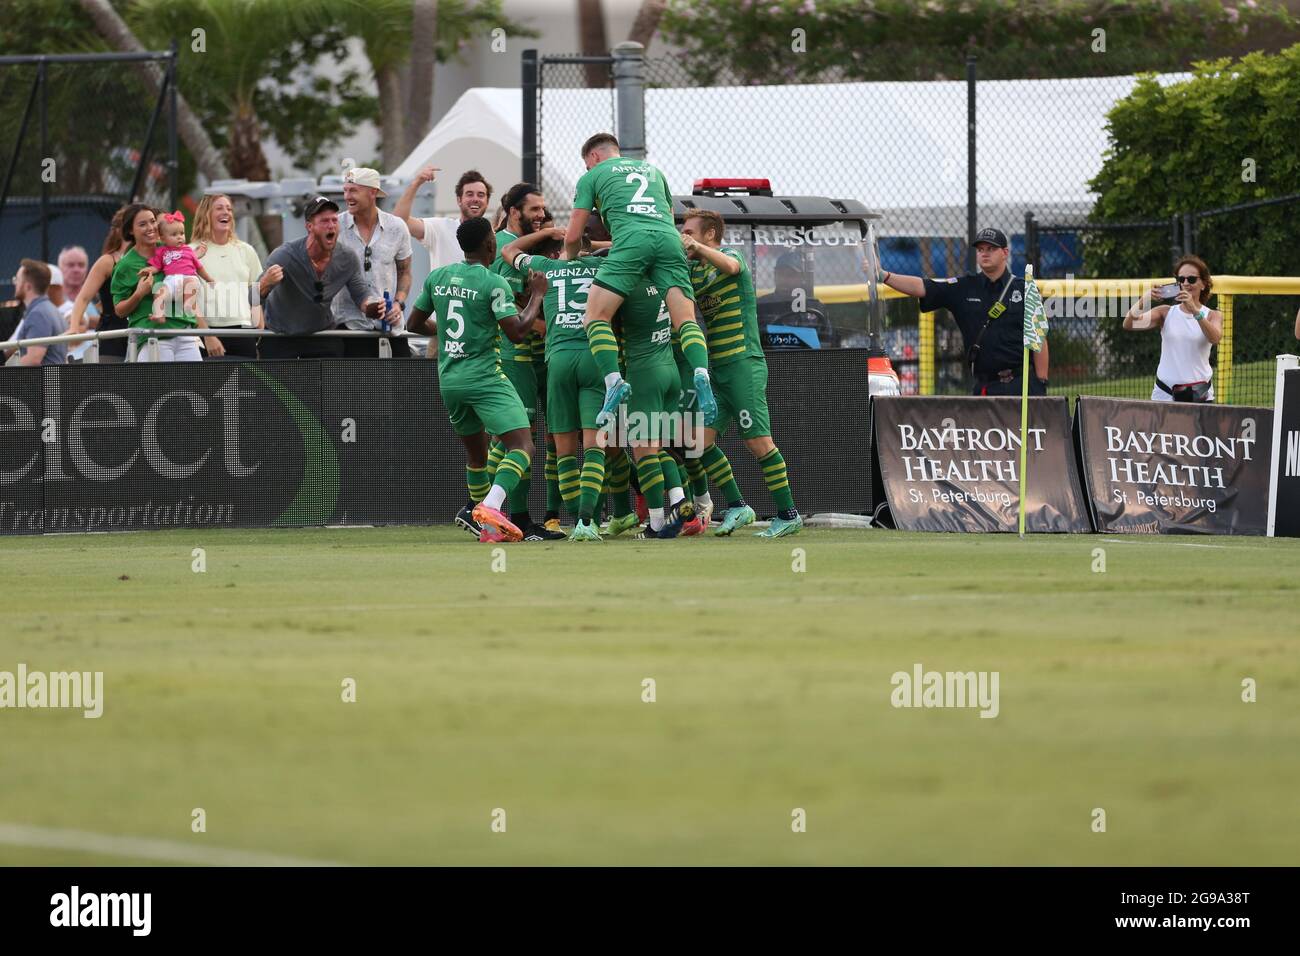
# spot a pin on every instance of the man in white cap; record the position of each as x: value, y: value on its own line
x: 383, y: 243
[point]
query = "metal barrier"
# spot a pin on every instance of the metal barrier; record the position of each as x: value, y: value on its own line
x: 1117, y: 294
x: 134, y: 335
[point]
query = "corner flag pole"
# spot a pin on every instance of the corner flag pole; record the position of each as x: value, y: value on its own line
x: 1033, y: 303
x: 1024, y: 427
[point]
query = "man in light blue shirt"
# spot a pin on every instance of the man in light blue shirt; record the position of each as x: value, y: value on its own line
x: 41, y: 318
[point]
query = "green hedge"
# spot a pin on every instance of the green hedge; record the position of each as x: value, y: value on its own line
x: 1181, y: 148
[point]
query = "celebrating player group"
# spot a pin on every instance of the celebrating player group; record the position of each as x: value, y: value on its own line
x: 603, y: 321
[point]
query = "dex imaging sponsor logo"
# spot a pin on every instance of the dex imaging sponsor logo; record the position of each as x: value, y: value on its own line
x: 75, y: 690
x: 75, y: 908
x: 971, y: 689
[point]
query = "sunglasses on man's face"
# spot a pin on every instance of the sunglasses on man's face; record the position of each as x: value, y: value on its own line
x: 367, y: 262
x: 1188, y: 280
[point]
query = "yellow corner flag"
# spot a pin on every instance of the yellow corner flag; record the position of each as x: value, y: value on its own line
x: 1035, y: 334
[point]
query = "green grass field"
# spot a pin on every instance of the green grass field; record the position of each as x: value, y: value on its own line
x: 1252, y: 384
x: 522, y: 690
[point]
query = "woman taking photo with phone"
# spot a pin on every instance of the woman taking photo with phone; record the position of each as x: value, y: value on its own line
x: 1188, y: 328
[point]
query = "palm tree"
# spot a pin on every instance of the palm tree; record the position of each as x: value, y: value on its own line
x: 424, y: 41
x: 241, y: 37
x: 592, y: 37
x: 190, y: 131
x: 647, y: 21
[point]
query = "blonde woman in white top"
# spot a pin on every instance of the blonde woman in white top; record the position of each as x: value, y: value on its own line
x: 1188, y: 329
x: 232, y: 301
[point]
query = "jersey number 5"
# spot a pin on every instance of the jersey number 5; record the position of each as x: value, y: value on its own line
x: 455, y: 321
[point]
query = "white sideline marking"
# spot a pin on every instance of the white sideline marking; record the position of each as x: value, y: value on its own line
x: 1186, y: 544
x: 143, y: 848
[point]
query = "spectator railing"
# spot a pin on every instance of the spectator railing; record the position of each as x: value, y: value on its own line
x: 134, y: 335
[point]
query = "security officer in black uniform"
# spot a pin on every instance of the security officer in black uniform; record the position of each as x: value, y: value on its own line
x: 989, y: 308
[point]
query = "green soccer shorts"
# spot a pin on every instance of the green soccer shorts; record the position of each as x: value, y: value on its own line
x: 740, y: 388
x: 653, y: 404
x: 483, y: 403
x: 524, y: 379
x: 575, y: 391
x: 648, y: 256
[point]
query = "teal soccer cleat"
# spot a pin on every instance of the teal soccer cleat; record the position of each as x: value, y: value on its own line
x: 780, y: 528
x: 736, y: 518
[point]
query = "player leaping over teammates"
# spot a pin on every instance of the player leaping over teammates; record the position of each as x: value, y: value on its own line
x: 632, y: 198
x: 724, y: 291
x: 469, y: 304
x: 573, y: 385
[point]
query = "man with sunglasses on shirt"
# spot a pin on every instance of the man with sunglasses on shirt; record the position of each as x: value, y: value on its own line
x: 989, y: 309
x: 301, y: 280
x: 384, y: 245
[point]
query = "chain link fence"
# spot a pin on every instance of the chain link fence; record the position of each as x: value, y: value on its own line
x: 575, y: 98
x: 903, y: 149
x: 1092, y: 354
x: 79, y: 136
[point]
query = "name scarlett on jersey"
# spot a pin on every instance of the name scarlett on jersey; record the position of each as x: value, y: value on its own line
x: 455, y: 291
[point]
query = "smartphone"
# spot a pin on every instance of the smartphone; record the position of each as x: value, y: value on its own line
x: 1166, y: 293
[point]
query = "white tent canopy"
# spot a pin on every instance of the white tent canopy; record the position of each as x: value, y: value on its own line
x: 484, y: 131
x: 1039, y: 143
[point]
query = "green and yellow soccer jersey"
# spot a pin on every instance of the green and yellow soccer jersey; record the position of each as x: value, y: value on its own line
x: 468, y: 303
x: 565, y: 302
x: 516, y: 351
x: 647, y: 329
x: 504, y: 269
x: 629, y: 194
x: 729, y: 308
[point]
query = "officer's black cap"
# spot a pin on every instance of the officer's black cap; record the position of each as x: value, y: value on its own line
x: 994, y: 237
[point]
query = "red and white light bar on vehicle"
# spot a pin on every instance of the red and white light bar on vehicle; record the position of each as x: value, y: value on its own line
x: 726, y: 187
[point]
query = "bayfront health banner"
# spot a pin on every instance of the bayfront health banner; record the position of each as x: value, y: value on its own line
x: 952, y: 464
x: 1175, y: 467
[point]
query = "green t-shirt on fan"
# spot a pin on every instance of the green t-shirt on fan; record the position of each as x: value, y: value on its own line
x: 126, y: 276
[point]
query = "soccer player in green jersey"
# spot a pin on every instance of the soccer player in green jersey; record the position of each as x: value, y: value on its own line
x: 574, y: 386
x: 724, y: 292
x: 632, y: 199
x: 652, y: 410
x: 469, y: 305
x: 522, y: 213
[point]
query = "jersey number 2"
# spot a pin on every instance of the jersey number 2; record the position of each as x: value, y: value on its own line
x: 640, y: 195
